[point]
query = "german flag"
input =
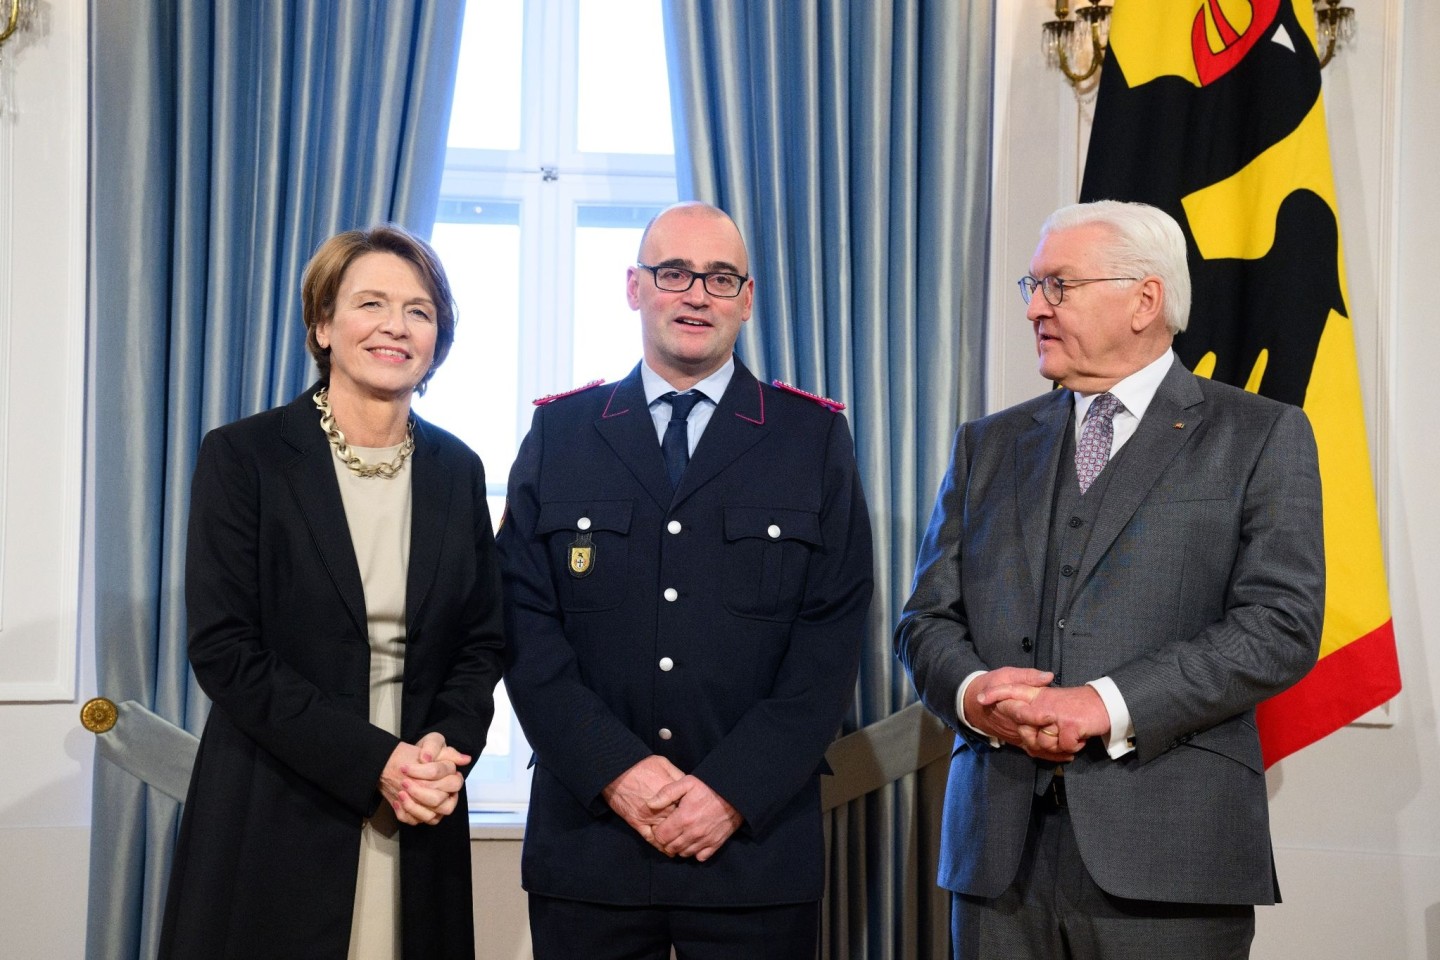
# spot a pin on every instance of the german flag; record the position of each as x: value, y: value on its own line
x: 1211, y: 110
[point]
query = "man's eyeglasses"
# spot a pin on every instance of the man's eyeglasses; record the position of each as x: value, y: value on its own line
x: 1054, y: 287
x: 678, y: 280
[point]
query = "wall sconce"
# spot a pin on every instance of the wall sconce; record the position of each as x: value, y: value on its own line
x: 13, y: 23
x: 1334, y: 27
x: 19, y: 23
x: 1070, y: 43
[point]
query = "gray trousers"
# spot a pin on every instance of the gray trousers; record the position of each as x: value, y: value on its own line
x: 1055, y: 911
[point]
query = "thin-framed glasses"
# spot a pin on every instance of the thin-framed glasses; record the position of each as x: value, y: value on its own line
x: 678, y: 280
x: 1054, y: 287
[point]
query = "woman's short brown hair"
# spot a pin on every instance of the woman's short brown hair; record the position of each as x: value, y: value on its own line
x: 321, y: 284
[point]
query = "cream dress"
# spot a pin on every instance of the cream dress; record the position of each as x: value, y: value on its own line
x: 378, y: 514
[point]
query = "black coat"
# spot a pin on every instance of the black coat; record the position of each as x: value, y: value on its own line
x: 767, y: 547
x: 288, y: 763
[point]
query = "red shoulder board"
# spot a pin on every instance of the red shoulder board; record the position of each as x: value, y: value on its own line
x: 834, y: 406
x: 552, y: 397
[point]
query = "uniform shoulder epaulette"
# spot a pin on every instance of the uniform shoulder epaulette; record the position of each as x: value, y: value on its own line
x: 552, y: 397
x: 834, y: 406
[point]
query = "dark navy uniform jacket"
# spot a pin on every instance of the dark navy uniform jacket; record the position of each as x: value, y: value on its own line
x: 719, y: 626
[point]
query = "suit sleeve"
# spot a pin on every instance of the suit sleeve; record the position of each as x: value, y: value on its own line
x: 933, y: 639
x: 780, y: 742
x: 283, y: 712
x: 1269, y: 636
x: 580, y: 739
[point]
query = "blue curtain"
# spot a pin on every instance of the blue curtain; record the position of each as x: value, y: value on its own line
x: 850, y: 139
x: 228, y: 138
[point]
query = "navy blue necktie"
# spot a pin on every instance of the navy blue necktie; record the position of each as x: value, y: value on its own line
x: 676, y: 445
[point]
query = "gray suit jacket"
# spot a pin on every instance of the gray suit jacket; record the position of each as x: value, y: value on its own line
x: 1201, y: 594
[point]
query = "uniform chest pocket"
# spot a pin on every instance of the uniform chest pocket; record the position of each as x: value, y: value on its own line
x: 589, y: 547
x: 767, y: 560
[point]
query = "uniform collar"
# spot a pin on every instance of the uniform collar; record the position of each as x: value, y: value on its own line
x: 712, y: 386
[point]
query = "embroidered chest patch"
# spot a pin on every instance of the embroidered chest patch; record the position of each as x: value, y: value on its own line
x: 582, y: 556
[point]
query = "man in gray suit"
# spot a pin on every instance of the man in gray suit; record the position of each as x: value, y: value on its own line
x: 1115, y: 574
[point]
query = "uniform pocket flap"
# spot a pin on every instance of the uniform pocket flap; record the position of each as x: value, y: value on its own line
x: 585, y: 516
x: 769, y: 523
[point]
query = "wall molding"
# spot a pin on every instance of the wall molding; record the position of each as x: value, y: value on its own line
x: 43, y: 165
x: 7, y: 312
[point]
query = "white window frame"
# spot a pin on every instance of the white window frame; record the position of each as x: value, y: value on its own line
x: 550, y: 179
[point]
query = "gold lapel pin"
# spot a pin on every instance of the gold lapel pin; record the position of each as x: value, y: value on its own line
x: 1179, y: 425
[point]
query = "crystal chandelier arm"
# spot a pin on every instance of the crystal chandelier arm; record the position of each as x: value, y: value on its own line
x: 1097, y: 54
x: 13, y: 22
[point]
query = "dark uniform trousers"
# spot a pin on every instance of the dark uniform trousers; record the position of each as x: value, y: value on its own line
x: 561, y: 929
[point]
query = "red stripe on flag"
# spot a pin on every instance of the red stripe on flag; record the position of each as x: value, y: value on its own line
x: 1343, y: 685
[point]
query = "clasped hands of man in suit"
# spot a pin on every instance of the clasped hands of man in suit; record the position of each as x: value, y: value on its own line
x: 422, y: 781
x: 1018, y: 706
x: 675, y: 813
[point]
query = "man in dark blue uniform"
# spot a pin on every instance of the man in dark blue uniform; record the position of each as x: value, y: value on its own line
x: 688, y: 571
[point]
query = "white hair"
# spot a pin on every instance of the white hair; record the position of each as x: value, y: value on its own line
x: 1144, y: 241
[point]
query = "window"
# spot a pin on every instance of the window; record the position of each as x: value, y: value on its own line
x: 560, y: 152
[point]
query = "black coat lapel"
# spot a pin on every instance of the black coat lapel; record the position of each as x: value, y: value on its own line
x: 311, y: 475
x: 430, y: 491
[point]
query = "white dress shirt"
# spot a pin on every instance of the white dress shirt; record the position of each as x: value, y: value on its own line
x: 712, y: 387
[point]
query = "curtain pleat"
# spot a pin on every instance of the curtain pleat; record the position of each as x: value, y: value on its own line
x: 228, y: 138
x: 850, y: 141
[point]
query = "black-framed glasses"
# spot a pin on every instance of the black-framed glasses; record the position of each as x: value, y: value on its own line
x: 1054, y: 287
x: 678, y: 280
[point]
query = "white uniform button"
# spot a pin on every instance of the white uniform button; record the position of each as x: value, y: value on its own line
x: 667, y: 664
x: 672, y: 594
x: 665, y: 733
x: 583, y: 523
x: 774, y: 532
x: 673, y: 526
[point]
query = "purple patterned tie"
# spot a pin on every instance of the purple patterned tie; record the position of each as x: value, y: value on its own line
x: 1093, y: 451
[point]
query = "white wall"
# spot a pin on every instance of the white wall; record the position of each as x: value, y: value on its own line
x: 1356, y: 817
x: 502, y: 923
x: 46, y: 755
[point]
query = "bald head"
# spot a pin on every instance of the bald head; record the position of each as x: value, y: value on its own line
x: 686, y: 215
x: 689, y: 331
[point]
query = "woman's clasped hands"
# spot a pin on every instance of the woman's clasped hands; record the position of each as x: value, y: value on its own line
x: 422, y: 782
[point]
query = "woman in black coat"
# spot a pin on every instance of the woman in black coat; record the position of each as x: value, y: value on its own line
x: 344, y: 618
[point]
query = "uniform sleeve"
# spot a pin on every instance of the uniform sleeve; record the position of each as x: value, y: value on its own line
x: 282, y: 711
x: 574, y: 733
x: 780, y: 742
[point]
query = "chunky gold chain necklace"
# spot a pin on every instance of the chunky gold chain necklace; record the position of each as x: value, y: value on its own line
x: 342, y: 449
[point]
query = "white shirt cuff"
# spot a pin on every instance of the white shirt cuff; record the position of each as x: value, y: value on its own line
x: 960, y: 707
x: 1122, y: 728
